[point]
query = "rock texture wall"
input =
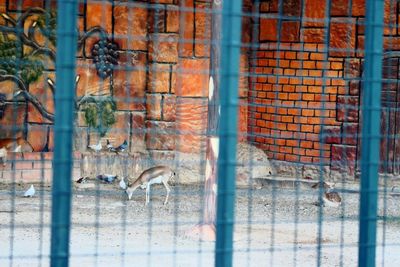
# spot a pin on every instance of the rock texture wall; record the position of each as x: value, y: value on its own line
x: 305, y: 92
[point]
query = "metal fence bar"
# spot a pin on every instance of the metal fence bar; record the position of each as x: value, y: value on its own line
x: 371, y: 110
x: 63, y: 128
x: 230, y: 48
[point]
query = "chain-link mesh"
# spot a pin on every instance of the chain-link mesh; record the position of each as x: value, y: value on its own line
x: 244, y: 133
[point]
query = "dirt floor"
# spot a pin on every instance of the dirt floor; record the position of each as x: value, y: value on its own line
x: 274, y: 227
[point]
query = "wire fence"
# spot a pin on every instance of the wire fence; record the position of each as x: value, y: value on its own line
x: 199, y: 133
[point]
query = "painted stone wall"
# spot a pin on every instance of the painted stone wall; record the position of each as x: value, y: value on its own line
x: 303, y: 72
x: 306, y: 91
x: 156, y: 90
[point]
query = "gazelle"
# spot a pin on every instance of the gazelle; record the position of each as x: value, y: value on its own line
x: 154, y: 175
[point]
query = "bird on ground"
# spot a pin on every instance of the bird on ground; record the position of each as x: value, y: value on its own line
x: 122, y: 147
x: 109, y: 145
x: 122, y: 184
x: 82, y: 180
x: 107, y: 178
x: 111, y: 148
x: 331, y: 198
x: 3, y: 155
x: 97, y: 147
x: 30, y: 192
x: 18, y: 148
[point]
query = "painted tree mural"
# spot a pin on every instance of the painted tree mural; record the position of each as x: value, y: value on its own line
x: 27, y: 50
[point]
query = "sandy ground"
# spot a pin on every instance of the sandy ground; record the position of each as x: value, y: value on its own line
x: 274, y: 227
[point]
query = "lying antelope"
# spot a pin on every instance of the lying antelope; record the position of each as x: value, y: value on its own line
x: 154, y: 175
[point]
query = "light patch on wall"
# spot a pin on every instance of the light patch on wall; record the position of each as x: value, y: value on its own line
x: 210, y: 88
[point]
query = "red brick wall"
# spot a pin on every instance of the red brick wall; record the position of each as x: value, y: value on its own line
x: 305, y: 91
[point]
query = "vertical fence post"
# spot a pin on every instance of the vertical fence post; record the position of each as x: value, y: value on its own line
x: 230, y: 51
x: 371, y: 110
x: 63, y: 129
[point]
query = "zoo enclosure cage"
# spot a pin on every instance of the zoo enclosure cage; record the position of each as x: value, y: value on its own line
x: 302, y: 103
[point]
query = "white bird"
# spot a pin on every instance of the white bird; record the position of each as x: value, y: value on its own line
x: 109, y: 145
x: 30, y: 192
x: 97, y: 147
x: 122, y: 184
x: 18, y: 149
x: 3, y: 155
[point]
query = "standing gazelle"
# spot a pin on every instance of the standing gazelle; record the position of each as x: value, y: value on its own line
x: 154, y: 175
